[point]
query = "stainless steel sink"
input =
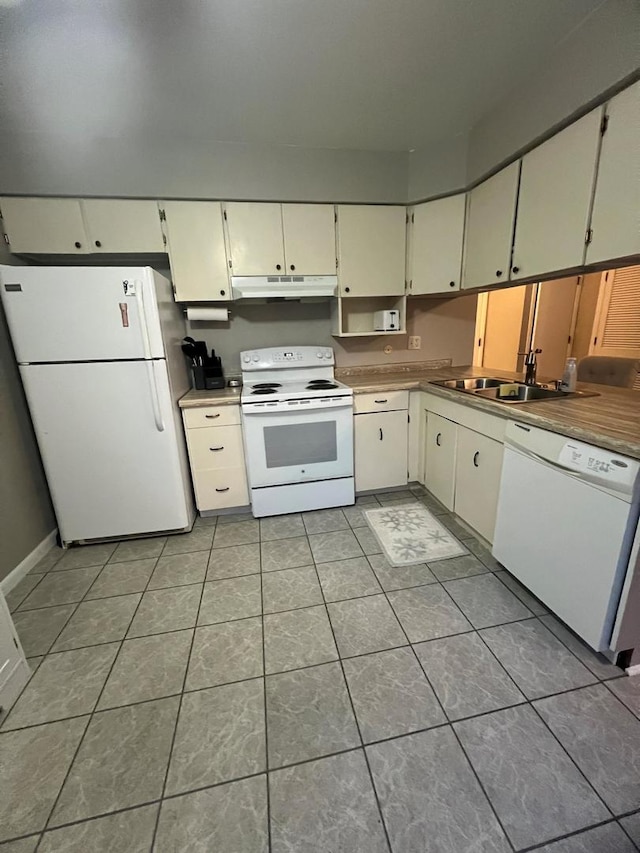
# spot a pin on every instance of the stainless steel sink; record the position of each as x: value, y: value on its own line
x: 507, y: 390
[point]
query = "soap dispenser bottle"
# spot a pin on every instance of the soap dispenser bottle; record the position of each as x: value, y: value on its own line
x: 570, y: 376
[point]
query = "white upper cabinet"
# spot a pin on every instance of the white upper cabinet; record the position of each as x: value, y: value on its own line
x: 491, y: 213
x: 256, y: 243
x: 371, y: 250
x: 122, y: 226
x: 196, y: 250
x: 437, y: 231
x: 309, y: 239
x: 556, y: 186
x: 47, y: 226
x: 615, y: 221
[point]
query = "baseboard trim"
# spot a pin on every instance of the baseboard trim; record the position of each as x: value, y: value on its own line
x: 15, y: 575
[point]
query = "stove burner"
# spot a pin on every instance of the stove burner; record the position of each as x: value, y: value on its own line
x: 269, y: 385
x: 264, y: 391
x: 320, y: 384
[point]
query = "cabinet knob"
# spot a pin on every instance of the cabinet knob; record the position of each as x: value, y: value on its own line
x: 452, y: 284
x: 476, y: 456
x: 278, y: 266
x: 98, y: 243
x: 498, y: 273
x: 292, y: 267
x: 222, y: 292
x: 438, y: 438
x: 515, y: 269
x: 78, y: 245
x: 346, y: 290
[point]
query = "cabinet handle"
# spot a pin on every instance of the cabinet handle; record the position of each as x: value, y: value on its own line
x: 381, y: 401
x: 498, y: 273
x: 475, y: 458
x: 78, y: 245
x: 213, y: 416
x: 278, y: 266
x: 216, y: 449
x: 292, y: 267
x: 381, y: 434
x: 515, y: 269
x: 226, y: 489
x: 438, y: 439
x: 98, y: 243
x: 452, y: 284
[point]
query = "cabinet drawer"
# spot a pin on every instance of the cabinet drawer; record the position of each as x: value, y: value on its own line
x: 218, y: 488
x: 382, y: 401
x: 207, y: 416
x: 215, y: 447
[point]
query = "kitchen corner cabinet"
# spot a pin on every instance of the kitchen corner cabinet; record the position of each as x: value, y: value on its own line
x: 216, y: 457
x: 491, y: 212
x: 381, y: 437
x: 477, y: 480
x: 615, y: 219
x: 68, y: 226
x: 556, y: 185
x: 197, y: 254
x: 281, y: 239
x: 437, y: 230
x: 371, y: 250
x: 440, y: 458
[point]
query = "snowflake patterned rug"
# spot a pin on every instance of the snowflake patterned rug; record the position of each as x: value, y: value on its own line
x: 411, y: 534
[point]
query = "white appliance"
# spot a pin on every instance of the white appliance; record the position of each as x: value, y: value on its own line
x: 386, y: 321
x: 297, y: 422
x: 566, y: 526
x: 283, y: 286
x: 99, y: 356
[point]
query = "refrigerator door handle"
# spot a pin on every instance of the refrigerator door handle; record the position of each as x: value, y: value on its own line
x: 155, y: 397
x: 146, y: 344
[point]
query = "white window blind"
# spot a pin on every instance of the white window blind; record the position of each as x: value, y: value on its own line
x: 618, y: 332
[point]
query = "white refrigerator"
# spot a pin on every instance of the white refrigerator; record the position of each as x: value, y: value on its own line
x: 99, y: 355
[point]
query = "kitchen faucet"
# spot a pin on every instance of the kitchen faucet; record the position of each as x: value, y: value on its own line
x: 531, y: 365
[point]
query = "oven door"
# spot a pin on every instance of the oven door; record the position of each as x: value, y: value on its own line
x: 290, y: 446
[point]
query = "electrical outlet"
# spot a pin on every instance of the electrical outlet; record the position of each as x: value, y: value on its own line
x: 415, y: 342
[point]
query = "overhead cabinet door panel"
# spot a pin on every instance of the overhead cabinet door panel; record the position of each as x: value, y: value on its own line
x: 555, y: 195
x: 371, y: 250
x: 47, y: 226
x: 615, y: 222
x: 309, y: 239
x: 196, y: 250
x: 255, y: 238
x: 490, y: 220
x: 122, y: 226
x: 436, y: 245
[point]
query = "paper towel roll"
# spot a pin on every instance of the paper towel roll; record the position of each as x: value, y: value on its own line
x: 208, y: 315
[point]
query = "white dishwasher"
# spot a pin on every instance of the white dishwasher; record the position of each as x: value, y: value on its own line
x: 566, y: 526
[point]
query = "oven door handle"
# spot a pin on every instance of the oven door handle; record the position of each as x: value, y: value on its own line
x: 296, y: 410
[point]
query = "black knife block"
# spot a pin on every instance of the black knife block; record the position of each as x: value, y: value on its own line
x: 209, y: 376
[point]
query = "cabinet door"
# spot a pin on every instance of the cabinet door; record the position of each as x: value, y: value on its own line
x: 255, y: 238
x: 122, y: 225
x: 556, y: 184
x: 436, y: 245
x: 381, y: 450
x: 14, y: 670
x: 371, y: 250
x: 196, y: 250
x: 490, y: 219
x: 309, y: 238
x: 47, y: 226
x: 614, y: 221
x: 478, y: 469
x: 440, y: 458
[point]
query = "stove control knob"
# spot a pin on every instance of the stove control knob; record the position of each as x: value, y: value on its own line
x: 246, y: 358
x: 327, y: 354
x: 256, y: 357
x: 319, y: 353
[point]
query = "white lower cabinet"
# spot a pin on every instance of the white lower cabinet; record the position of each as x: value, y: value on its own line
x: 216, y: 457
x: 381, y: 447
x: 440, y: 458
x: 477, y: 480
x: 14, y: 669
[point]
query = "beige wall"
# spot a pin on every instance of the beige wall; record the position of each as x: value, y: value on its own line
x: 446, y: 327
x: 440, y: 168
x: 26, y: 516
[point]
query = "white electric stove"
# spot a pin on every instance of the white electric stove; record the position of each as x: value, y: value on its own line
x: 298, y: 430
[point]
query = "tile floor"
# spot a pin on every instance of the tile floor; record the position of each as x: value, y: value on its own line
x: 276, y: 685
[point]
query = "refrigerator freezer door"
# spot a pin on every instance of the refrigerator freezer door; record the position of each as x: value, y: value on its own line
x: 59, y: 314
x: 109, y: 446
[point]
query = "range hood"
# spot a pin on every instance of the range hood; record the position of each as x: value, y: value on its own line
x: 282, y: 286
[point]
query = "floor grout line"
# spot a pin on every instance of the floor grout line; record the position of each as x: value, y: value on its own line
x: 264, y: 699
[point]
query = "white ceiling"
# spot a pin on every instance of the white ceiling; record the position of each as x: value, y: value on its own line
x: 360, y: 74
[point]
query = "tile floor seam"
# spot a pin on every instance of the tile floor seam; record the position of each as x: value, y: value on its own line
x: 597, y: 677
x: 357, y: 722
x: 576, y: 832
x: 264, y: 699
x: 177, y: 719
x: 93, y: 712
x: 24, y: 598
x: 119, y: 595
